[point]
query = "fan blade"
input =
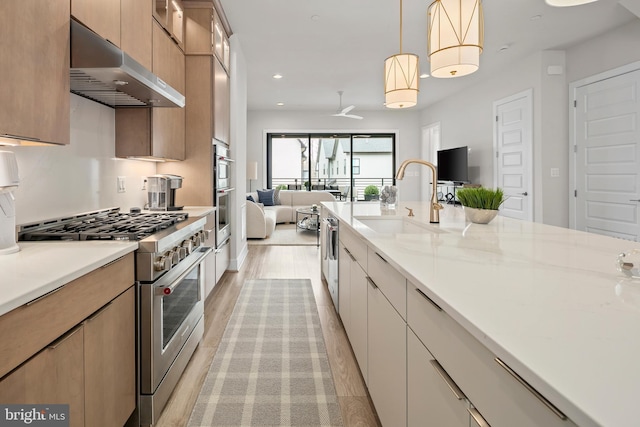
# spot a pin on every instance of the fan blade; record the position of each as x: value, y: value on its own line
x: 347, y: 109
x: 352, y: 116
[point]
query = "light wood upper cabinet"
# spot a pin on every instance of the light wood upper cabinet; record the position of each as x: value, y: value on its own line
x: 156, y: 132
x: 101, y: 16
x: 135, y: 30
x: 170, y: 15
x: 198, y: 30
x: 34, y: 41
x: 221, y: 103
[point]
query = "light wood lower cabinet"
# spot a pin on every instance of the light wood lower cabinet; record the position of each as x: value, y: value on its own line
x: 387, y: 358
x: 90, y: 364
x: 53, y: 376
x: 109, y: 363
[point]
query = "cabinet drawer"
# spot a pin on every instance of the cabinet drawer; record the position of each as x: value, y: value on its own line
x: 502, y: 400
x: 27, y: 329
x: 355, y: 245
x: 392, y: 284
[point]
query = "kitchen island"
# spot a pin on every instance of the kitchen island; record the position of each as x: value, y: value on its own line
x: 548, y: 302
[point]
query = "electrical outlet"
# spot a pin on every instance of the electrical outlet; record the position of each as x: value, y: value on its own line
x: 121, y: 184
x: 144, y: 183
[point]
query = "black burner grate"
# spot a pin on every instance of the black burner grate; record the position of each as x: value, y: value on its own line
x: 109, y: 226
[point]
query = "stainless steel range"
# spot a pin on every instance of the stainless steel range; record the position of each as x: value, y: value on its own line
x: 170, y: 276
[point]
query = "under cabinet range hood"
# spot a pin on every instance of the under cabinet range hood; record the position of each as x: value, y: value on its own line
x: 102, y: 72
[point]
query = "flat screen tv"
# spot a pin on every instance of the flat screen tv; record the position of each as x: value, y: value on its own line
x: 453, y: 164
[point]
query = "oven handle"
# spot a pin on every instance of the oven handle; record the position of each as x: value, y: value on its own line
x: 167, y: 290
x: 226, y: 190
x: 225, y: 159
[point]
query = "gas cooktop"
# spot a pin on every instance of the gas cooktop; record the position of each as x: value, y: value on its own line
x: 109, y: 224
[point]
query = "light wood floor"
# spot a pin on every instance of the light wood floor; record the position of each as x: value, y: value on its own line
x: 274, y: 262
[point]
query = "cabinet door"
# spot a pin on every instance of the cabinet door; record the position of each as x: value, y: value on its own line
x: 433, y: 399
x: 101, y: 16
x: 34, y: 41
x: 358, y: 317
x: 135, y: 30
x: 53, y: 376
x: 198, y: 37
x: 221, y: 105
x: 109, y: 346
x: 387, y: 359
x: 344, y: 287
x: 168, y: 124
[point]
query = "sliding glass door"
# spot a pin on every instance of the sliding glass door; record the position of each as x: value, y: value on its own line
x: 344, y: 164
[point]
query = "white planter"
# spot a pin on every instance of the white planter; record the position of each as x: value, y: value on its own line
x: 479, y: 216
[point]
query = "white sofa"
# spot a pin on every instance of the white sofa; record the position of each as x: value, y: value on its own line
x: 259, y: 218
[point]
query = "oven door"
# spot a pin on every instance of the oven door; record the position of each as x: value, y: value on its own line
x: 223, y: 230
x: 223, y: 173
x: 170, y: 309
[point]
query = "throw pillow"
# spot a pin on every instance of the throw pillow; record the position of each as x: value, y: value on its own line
x: 266, y: 197
x: 276, y: 196
x: 250, y: 198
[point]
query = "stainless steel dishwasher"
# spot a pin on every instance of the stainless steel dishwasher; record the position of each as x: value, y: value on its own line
x: 330, y: 257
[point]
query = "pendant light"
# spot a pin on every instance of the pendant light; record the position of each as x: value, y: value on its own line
x: 563, y: 3
x: 455, y: 37
x: 401, y: 77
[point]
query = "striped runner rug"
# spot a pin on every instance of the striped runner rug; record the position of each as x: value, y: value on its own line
x: 271, y: 368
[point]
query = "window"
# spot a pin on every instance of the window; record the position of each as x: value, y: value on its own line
x: 324, y: 161
x: 356, y: 166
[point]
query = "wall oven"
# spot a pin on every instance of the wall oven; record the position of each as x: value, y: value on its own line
x: 223, y: 191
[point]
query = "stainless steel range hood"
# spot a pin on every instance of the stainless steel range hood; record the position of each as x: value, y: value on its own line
x: 103, y: 73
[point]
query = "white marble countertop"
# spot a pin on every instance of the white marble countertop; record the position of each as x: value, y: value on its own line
x: 40, y: 267
x: 547, y: 300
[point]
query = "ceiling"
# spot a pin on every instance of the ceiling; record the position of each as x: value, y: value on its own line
x: 321, y: 47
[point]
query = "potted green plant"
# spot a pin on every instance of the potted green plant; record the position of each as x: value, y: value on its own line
x: 371, y: 192
x: 281, y: 187
x: 480, y: 204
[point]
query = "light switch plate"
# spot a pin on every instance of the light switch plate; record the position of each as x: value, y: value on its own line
x: 121, y: 184
x: 555, y: 172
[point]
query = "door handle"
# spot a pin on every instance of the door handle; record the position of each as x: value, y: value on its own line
x: 525, y: 193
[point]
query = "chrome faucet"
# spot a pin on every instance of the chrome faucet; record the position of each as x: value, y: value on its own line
x: 434, y: 205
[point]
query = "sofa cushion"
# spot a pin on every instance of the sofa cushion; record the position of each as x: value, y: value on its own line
x: 250, y: 198
x: 266, y: 197
x: 276, y: 197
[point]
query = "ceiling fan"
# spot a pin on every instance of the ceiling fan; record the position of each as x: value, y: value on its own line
x: 343, y: 111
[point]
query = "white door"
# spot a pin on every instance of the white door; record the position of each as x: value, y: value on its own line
x: 607, y: 156
x: 513, y: 135
x: 429, y: 149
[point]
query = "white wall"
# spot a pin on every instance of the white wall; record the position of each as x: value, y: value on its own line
x: 60, y: 180
x: 404, y: 123
x: 466, y: 118
x: 238, y: 148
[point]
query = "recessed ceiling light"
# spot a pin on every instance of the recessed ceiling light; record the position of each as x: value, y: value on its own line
x: 503, y: 48
x: 315, y: 17
x: 277, y: 76
x: 424, y: 75
x: 536, y: 17
x: 280, y: 104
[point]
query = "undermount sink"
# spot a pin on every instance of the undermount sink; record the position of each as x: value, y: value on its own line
x: 397, y: 225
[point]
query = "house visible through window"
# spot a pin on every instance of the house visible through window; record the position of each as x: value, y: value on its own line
x: 314, y: 162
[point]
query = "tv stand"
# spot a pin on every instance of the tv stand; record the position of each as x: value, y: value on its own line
x: 450, y: 196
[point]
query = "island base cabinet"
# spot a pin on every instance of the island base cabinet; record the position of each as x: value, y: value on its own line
x: 53, y: 376
x: 387, y: 362
x: 344, y: 288
x: 109, y: 361
x: 358, y: 318
x: 499, y: 395
x: 431, y: 400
